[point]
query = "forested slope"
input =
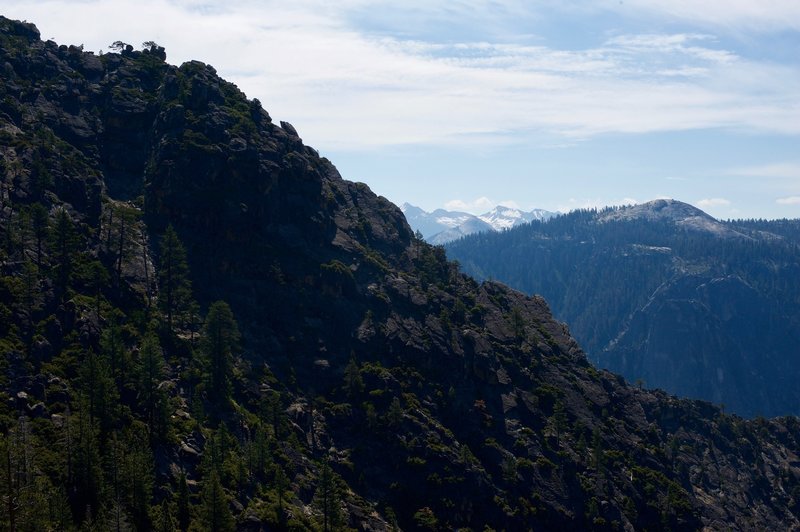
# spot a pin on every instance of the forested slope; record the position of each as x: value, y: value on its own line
x: 664, y: 293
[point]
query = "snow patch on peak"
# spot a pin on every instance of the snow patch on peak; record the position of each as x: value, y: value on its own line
x: 441, y: 226
x: 452, y: 221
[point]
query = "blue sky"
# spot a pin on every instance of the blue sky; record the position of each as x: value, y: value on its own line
x: 466, y: 104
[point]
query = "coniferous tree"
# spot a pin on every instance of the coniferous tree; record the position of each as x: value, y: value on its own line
x: 24, y: 491
x: 100, y: 392
x: 327, y: 498
x: 150, y: 371
x: 281, y: 487
x: 219, y: 344
x: 395, y: 413
x: 139, y: 476
x: 215, y: 516
x: 113, y: 348
x: 165, y: 521
x: 87, y: 484
x: 125, y: 217
x: 183, y: 504
x: 30, y: 297
x: 352, y: 378
x: 95, y: 278
x: 118, y: 519
x: 262, y: 458
x: 65, y: 241
x: 22, y: 226
x: 40, y: 229
x: 272, y: 412
x: 176, y: 289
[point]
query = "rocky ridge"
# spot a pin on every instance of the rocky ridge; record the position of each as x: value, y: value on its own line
x: 679, y: 213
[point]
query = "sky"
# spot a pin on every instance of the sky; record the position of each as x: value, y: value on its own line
x: 529, y: 103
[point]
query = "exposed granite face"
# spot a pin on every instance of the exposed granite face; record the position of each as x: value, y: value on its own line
x: 475, y: 405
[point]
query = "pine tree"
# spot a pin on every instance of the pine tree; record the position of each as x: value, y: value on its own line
x: 262, y: 458
x: 126, y: 218
x: 150, y: 371
x: 327, y: 498
x: 184, y: 507
x: 176, y: 289
x: 214, y: 512
x: 395, y: 413
x: 281, y: 487
x: 64, y: 242
x: 165, y: 521
x: 84, y: 462
x: 30, y: 297
x: 219, y: 344
x: 98, y: 278
x: 352, y: 378
x: 139, y: 477
x: 559, y: 421
x: 40, y: 229
x: 113, y: 348
x: 100, y: 392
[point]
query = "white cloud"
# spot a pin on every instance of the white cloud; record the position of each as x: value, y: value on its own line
x: 480, y: 205
x: 761, y: 15
x: 784, y: 170
x: 713, y: 202
x: 476, y: 206
x: 344, y: 87
x: 511, y: 204
x: 791, y: 200
x: 678, y: 43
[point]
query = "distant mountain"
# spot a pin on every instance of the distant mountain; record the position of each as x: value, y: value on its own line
x: 468, y: 227
x: 439, y: 221
x: 682, y: 215
x: 665, y: 293
x: 507, y: 217
x: 442, y: 226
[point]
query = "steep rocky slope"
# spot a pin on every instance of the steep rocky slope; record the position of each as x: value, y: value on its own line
x: 376, y: 386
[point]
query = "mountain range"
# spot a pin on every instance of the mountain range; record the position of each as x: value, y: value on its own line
x: 442, y: 226
x: 665, y: 294
x: 205, y: 327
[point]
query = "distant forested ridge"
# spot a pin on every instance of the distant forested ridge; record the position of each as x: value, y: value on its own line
x: 666, y: 295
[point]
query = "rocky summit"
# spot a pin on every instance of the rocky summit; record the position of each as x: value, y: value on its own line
x: 204, y: 327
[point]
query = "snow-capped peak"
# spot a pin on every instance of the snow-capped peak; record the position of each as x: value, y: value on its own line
x: 442, y: 226
x: 502, y: 217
